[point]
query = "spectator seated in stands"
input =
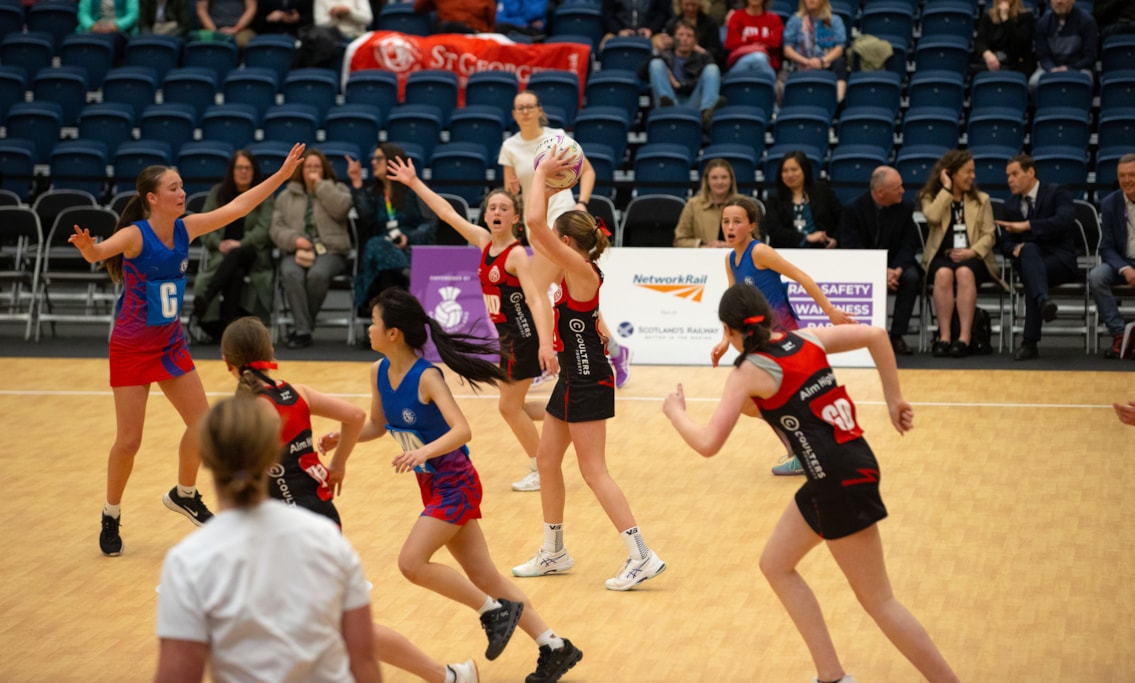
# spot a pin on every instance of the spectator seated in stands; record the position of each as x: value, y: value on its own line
x: 1005, y: 39
x: 526, y: 17
x: 686, y: 75
x: 1117, y: 253
x: 814, y: 38
x: 336, y: 24
x: 959, y: 248
x: 227, y: 18
x: 634, y: 17
x: 881, y: 219
x: 1067, y: 39
x: 803, y: 212
x: 164, y: 17
x: 753, y: 36
x: 700, y: 222
x: 118, y: 18
x: 707, y: 28
x: 282, y: 16
x: 1039, y: 238
x: 461, y: 16
x: 1114, y: 17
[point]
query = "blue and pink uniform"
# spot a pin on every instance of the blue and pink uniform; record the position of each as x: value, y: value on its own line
x: 450, y: 487
x: 770, y: 284
x: 148, y: 342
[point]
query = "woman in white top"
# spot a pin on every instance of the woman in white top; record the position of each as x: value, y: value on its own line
x: 265, y: 591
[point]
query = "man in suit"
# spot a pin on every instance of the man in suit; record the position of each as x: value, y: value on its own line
x: 880, y: 219
x: 1117, y: 252
x: 1040, y: 228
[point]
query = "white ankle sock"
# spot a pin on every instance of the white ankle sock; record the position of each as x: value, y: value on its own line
x: 636, y: 546
x: 114, y: 511
x: 186, y: 491
x: 450, y: 674
x: 490, y: 605
x: 532, y: 464
x: 550, y: 639
x: 553, y: 537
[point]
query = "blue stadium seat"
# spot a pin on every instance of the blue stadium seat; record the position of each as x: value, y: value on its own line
x: 29, y: 51
x: 937, y: 89
x: 1116, y: 130
x: 873, y: 89
x: 739, y: 125
x: 18, y: 159
x: 291, y: 122
x: 890, y: 19
x: 1118, y: 52
x: 1064, y: 89
x: 491, y: 88
x: 995, y: 127
x: 13, y: 84
x: 1117, y: 90
x: 614, y: 88
x: 401, y: 17
x: 1062, y: 165
x: 850, y: 170
x: 173, y: 122
x: 557, y: 88
x: 356, y: 122
x: 232, y: 123
x: 1060, y: 127
x: 11, y: 18
x: 662, y: 168
x: 989, y: 167
x: 110, y: 122
x: 195, y: 86
x: 203, y: 164
x: 136, y: 155
x: 942, y: 53
x: 92, y: 52
x: 815, y: 88
x: 603, y: 162
x: 802, y: 127
x: 675, y: 125
x: 578, y: 19
x: 480, y: 123
x: 39, y: 122
x: 65, y: 86
x: 1008, y: 89
x: 275, y: 52
x: 601, y: 125
x: 417, y: 123
x: 459, y: 168
x: 132, y: 85
x: 432, y: 87
x: 649, y: 221
x: 219, y: 56
x: 914, y: 163
x: 948, y: 18
x: 625, y: 52
x: 414, y: 152
x: 314, y: 87
x: 868, y: 126
x: 337, y: 151
x: 740, y: 157
x: 157, y: 52
x: 749, y: 88
x: 79, y: 165
x: 57, y: 19
x: 933, y: 126
x: 1107, y: 170
x: 378, y: 89
x: 897, y: 62
x: 252, y: 86
x: 269, y: 154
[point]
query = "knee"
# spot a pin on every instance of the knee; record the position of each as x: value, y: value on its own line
x: 771, y: 567
x: 910, y: 278
x: 944, y: 278
x: 658, y: 68
x: 711, y: 73
x: 128, y: 446
x: 594, y: 476
x: 1099, y: 278
x: 965, y: 278
x: 411, y: 568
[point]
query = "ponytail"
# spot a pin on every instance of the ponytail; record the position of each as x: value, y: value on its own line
x: 590, y: 234
x: 247, y: 345
x: 239, y: 442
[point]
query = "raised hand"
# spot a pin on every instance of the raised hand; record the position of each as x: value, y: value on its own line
x: 401, y: 170
x: 293, y: 160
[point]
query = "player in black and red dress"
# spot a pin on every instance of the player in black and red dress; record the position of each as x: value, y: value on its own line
x: 517, y: 307
x: 584, y: 396
x: 785, y: 378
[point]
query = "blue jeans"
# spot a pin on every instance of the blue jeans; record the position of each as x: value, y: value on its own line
x: 704, y: 95
x: 754, y: 61
x: 1100, y: 281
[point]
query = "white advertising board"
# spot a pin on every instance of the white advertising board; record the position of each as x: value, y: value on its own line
x: 663, y: 302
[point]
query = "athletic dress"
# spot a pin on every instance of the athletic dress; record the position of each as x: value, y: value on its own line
x: 585, y: 390
x: 299, y: 478
x: 451, y: 490
x: 771, y: 285
x: 148, y: 343
x: 508, y: 309
x: 815, y: 418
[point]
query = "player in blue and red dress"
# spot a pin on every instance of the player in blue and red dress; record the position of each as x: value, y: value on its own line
x: 411, y: 401
x: 584, y: 396
x: 785, y: 378
x: 517, y: 307
x: 148, y: 253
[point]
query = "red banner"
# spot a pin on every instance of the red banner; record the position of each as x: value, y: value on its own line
x: 464, y: 55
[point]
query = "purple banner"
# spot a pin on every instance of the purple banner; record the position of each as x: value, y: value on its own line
x: 855, y: 298
x: 445, y: 280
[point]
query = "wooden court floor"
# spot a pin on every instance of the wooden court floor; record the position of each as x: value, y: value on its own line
x: 1010, y: 536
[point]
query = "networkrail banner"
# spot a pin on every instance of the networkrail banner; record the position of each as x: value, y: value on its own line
x: 464, y: 55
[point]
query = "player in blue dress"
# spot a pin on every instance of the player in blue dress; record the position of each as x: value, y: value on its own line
x: 148, y: 253
x: 784, y: 377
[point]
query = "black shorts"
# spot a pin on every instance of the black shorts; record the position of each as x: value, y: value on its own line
x: 583, y: 401
x: 980, y: 271
x: 302, y: 494
x: 520, y: 357
x: 837, y: 512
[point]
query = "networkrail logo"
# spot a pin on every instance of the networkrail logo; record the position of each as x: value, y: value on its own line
x: 686, y: 286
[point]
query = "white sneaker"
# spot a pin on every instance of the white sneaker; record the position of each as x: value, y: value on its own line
x: 635, y: 572
x: 547, y: 379
x: 543, y: 563
x: 465, y: 672
x: 530, y: 482
x: 845, y: 679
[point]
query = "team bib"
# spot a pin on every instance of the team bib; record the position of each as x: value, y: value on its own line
x: 163, y: 301
x: 835, y: 408
x: 410, y: 440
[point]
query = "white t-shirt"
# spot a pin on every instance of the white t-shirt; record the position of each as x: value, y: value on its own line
x: 266, y: 588
x: 520, y: 154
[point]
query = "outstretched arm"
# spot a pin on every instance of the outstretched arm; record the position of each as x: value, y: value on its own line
x: 765, y: 256
x: 744, y: 382
x: 403, y: 172
x: 544, y: 240
x: 126, y: 241
x: 200, y: 223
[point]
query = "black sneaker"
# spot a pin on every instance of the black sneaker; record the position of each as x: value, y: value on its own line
x: 110, y: 543
x: 499, y: 624
x: 193, y: 508
x: 554, y: 663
